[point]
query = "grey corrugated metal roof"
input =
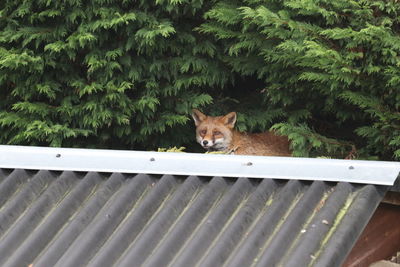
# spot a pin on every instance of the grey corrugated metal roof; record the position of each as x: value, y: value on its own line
x: 66, y: 218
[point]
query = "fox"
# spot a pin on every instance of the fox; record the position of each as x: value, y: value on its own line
x: 218, y: 134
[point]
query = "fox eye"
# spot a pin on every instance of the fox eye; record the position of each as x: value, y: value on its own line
x: 203, y: 132
x: 217, y: 133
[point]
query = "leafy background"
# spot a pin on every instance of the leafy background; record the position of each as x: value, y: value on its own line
x: 126, y: 74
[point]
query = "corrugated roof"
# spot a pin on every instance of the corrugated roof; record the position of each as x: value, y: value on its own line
x: 66, y: 218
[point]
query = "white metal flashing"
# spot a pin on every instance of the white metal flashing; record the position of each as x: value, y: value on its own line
x: 72, y: 159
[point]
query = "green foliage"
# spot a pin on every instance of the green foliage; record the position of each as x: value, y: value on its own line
x: 172, y: 149
x: 126, y: 74
x: 114, y: 74
x: 331, y: 66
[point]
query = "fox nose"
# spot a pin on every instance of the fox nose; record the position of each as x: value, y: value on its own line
x: 205, y: 142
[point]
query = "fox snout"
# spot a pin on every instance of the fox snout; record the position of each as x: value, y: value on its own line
x: 207, y: 144
x: 204, y: 141
x: 211, y: 144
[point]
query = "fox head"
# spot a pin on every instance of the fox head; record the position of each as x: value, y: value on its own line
x: 214, y: 133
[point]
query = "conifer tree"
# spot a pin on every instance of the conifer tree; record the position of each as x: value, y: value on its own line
x: 113, y: 74
x: 330, y: 70
x: 126, y: 74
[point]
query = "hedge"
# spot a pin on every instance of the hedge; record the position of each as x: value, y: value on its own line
x: 126, y: 74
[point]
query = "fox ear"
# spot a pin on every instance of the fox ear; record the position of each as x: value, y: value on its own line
x: 198, y: 117
x: 229, y: 119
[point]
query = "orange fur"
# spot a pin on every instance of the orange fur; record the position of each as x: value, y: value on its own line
x: 218, y: 134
